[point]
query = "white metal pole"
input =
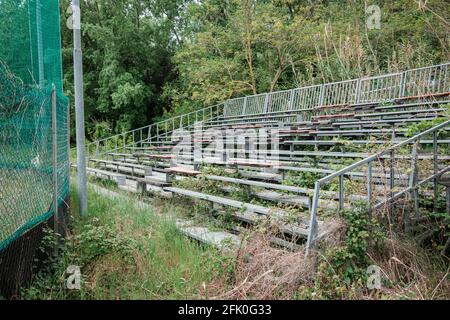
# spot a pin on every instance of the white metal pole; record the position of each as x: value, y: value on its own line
x: 79, y: 107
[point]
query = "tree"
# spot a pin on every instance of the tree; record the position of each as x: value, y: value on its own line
x: 127, y: 50
x: 241, y: 47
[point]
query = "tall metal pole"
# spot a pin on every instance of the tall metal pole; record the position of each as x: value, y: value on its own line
x: 79, y: 107
x: 40, y: 44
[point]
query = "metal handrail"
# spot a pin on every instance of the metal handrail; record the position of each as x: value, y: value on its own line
x: 306, y: 100
x: 164, y: 127
x: 389, y: 151
x: 386, y: 87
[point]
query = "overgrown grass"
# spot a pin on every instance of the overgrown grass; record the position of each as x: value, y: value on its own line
x: 128, y: 253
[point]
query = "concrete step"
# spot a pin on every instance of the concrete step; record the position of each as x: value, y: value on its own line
x: 220, y: 239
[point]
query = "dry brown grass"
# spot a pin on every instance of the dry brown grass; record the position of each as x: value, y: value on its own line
x: 264, y: 272
x: 410, y: 272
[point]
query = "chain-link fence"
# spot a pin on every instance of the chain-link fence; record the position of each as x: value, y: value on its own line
x: 34, y: 133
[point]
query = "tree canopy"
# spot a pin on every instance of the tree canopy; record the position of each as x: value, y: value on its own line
x: 149, y: 59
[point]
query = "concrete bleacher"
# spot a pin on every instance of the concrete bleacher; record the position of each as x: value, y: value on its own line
x: 312, y: 139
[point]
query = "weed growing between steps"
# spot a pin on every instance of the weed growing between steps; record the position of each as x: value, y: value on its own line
x: 416, y: 128
x: 302, y: 179
x: 218, y: 217
x: 128, y: 253
x: 213, y: 170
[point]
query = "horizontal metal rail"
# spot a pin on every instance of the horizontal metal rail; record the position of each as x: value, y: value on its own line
x: 303, y: 104
x: 388, y: 87
x: 152, y: 132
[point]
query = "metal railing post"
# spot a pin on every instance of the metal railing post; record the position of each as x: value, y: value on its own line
x: 97, y: 149
x: 391, y: 177
x: 225, y: 109
x: 312, y: 232
x: 435, y: 170
x: 369, y: 184
x: 341, y: 192
x: 369, y: 189
x: 358, y: 91
x: 322, y: 96
x: 266, y: 103
x: 157, y: 132
x: 413, y: 178
x: 402, y: 84
x: 291, y: 100
x: 244, y: 107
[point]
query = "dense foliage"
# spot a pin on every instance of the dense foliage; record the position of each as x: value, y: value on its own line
x: 127, y: 51
x: 146, y: 58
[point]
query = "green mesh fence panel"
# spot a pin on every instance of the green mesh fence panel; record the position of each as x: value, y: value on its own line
x: 30, y: 40
x: 30, y: 64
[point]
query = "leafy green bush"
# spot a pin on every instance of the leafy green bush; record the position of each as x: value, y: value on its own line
x: 341, y: 271
x: 93, y: 243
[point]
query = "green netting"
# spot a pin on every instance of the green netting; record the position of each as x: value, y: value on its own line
x: 30, y: 40
x: 30, y: 63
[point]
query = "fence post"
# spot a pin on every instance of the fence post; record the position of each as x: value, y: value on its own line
x: 55, y: 168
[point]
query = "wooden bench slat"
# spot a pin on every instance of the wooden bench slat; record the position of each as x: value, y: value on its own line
x: 428, y: 95
x: 153, y: 156
x: 183, y: 171
x: 334, y: 116
x: 333, y: 106
x: 243, y: 162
